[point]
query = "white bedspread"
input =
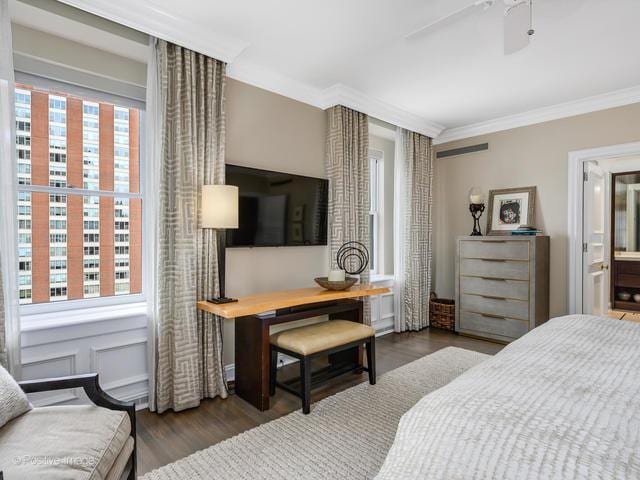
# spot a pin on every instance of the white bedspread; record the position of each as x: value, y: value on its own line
x: 562, y: 402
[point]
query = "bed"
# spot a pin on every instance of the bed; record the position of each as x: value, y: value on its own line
x: 562, y: 402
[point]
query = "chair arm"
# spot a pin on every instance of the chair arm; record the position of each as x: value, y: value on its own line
x: 89, y: 382
x: 59, y: 383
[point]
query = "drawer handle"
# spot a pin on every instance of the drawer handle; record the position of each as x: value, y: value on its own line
x: 493, y: 259
x: 495, y: 279
x: 491, y: 297
x: 493, y: 241
x: 489, y: 315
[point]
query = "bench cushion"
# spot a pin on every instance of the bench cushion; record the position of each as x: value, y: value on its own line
x: 63, y: 443
x: 321, y: 336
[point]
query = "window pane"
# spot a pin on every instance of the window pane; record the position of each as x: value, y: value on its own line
x: 74, y: 246
x: 372, y: 243
x: 68, y: 141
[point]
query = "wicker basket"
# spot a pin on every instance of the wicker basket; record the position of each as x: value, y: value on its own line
x: 442, y: 313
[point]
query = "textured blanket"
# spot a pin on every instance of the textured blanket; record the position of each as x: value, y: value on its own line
x: 562, y: 402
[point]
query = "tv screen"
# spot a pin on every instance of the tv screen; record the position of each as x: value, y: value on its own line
x: 278, y: 209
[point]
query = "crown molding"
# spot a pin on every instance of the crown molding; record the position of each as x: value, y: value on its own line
x: 613, y: 99
x: 340, y: 94
x: 145, y: 17
x: 274, y: 82
x: 335, y: 95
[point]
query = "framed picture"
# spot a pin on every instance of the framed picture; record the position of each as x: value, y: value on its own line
x: 297, y: 233
x: 509, y: 208
x: 298, y: 213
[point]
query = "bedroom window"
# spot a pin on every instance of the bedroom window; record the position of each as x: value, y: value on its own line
x: 79, y: 200
x: 376, y: 202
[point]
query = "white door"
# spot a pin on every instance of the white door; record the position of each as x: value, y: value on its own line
x: 595, y: 282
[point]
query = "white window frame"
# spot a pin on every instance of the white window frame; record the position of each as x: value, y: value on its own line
x: 87, y: 309
x: 376, y: 209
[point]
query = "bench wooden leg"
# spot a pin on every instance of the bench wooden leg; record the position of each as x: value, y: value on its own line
x: 305, y: 384
x: 371, y: 359
x: 273, y: 371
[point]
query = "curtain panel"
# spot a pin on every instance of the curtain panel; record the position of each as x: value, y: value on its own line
x: 188, y: 342
x: 9, y: 317
x: 347, y: 162
x: 413, y: 184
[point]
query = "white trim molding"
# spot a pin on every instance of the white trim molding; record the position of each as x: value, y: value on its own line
x: 169, y: 26
x: 149, y: 19
x: 70, y: 395
x: 577, y: 160
x: 596, y: 103
x: 340, y: 94
x: 274, y: 82
x: 94, y: 359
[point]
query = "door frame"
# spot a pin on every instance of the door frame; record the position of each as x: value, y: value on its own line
x: 577, y: 159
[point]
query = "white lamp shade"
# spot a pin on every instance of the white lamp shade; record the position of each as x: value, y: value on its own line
x: 219, y: 206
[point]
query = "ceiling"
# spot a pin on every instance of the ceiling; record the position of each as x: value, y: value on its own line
x: 455, y: 76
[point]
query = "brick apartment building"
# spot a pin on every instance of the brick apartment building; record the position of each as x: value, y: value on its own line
x: 74, y: 246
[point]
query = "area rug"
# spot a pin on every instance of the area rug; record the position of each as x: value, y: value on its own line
x: 346, y: 436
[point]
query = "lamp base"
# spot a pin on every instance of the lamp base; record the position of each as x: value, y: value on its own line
x: 221, y: 300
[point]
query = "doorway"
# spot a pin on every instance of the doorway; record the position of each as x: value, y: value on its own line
x: 591, y: 217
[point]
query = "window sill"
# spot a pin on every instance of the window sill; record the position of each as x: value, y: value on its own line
x: 381, y: 278
x: 51, y: 320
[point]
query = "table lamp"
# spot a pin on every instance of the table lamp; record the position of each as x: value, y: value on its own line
x: 220, y: 212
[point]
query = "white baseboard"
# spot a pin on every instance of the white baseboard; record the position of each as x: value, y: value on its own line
x: 386, y: 331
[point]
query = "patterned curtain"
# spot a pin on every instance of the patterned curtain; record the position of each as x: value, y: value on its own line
x: 189, y: 342
x: 347, y: 164
x: 412, y: 230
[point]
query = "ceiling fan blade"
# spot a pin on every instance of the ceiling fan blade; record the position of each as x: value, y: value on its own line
x: 448, y: 19
x: 516, y: 28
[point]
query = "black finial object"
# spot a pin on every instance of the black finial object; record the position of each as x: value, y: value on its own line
x: 353, y: 252
x: 476, y: 210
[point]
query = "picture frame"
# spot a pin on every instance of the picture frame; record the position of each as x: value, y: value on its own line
x: 297, y: 232
x: 298, y: 213
x: 509, y: 208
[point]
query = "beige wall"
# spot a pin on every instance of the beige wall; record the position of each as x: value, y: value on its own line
x: 272, y: 132
x: 535, y: 155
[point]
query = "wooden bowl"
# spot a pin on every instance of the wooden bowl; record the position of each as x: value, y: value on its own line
x: 325, y: 283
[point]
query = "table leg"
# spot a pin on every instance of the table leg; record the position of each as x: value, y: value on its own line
x: 252, y: 361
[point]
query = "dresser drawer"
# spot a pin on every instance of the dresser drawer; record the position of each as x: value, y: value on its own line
x: 479, y: 324
x: 515, y: 289
x: 497, y: 249
x: 496, y: 306
x: 506, y: 269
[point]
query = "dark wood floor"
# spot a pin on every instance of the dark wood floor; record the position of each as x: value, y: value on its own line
x: 168, y: 437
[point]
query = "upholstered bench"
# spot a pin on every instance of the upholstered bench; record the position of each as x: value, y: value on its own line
x: 305, y: 343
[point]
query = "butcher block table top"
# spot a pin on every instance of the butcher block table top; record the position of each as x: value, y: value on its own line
x: 265, y: 302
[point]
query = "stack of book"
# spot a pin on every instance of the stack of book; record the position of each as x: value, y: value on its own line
x: 526, y: 230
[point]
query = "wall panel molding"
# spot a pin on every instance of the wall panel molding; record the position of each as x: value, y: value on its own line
x: 44, y: 399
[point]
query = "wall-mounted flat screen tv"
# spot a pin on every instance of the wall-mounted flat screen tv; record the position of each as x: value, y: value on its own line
x: 278, y: 209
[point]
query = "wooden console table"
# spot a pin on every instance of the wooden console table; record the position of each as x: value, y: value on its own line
x: 252, y: 329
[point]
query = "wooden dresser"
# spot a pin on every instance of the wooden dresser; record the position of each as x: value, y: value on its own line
x: 502, y: 285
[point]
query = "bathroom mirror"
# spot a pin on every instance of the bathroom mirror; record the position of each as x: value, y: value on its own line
x: 626, y: 215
